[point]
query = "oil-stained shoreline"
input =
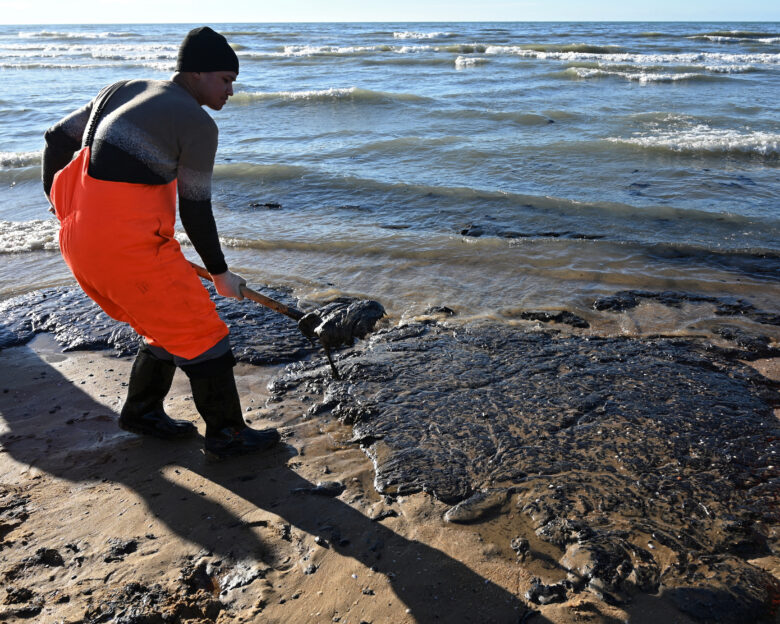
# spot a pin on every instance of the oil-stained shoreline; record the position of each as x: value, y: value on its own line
x: 633, y: 465
x: 638, y: 465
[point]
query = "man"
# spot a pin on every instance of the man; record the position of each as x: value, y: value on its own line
x: 140, y: 143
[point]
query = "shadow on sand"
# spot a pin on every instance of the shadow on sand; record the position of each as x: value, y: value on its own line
x: 81, y: 443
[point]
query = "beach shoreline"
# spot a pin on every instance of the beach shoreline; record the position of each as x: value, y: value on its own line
x: 99, y: 523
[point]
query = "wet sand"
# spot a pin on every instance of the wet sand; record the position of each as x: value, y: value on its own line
x: 99, y: 525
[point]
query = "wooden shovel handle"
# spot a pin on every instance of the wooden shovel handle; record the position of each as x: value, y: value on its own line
x: 276, y: 306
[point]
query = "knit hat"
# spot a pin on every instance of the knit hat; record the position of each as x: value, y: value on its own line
x: 204, y: 50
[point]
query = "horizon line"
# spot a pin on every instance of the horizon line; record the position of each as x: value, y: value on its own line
x: 498, y: 21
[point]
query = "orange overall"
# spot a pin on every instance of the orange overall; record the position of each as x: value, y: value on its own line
x: 118, y: 240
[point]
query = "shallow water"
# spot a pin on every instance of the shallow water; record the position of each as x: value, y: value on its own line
x: 493, y: 168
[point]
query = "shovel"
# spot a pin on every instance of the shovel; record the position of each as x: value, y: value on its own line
x: 307, y: 326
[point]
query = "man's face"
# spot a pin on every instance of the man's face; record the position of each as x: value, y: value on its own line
x: 214, y: 88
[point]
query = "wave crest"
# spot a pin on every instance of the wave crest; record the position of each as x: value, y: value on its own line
x: 19, y: 160
x: 348, y: 94
x: 25, y: 236
x: 704, y: 139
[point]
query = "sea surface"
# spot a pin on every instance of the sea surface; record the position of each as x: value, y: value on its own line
x: 490, y: 167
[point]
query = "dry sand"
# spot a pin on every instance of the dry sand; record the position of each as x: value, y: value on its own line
x: 101, y: 525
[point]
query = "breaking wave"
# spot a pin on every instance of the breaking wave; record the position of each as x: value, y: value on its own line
x: 37, y: 235
x: 469, y: 61
x: 348, y: 94
x: 687, y: 58
x: 643, y: 77
x: 422, y: 35
x: 53, y: 34
x: 18, y: 160
x: 704, y: 139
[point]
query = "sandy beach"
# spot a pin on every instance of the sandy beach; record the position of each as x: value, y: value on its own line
x: 99, y: 525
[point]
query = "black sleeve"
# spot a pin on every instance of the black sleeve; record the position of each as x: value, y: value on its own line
x: 57, y: 153
x: 198, y: 221
x: 63, y: 140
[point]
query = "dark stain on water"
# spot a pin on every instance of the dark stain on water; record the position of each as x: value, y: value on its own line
x: 646, y: 465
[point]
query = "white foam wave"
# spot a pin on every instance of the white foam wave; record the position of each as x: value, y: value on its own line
x: 410, y: 34
x: 54, y: 65
x: 327, y: 50
x: 132, y: 52
x: 37, y: 235
x: 729, y: 69
x: 736, y: 39
x: 703, y: 138
x: 468, y: 61
x: 693, y: 58
x: 112, y: 51
x: 640, y: 77
x: 53, y: 34
x: 17, y: 160
x: 332, y: 94
x: 313, y: 94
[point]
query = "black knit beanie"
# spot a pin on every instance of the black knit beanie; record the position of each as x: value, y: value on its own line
x: 204, y: 50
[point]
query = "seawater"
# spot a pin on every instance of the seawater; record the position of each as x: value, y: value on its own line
x: 488, y: 167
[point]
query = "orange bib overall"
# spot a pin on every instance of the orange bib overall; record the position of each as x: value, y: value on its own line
x: 118, y: 240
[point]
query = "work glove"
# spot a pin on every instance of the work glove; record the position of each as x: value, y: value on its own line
x: 229, y: 284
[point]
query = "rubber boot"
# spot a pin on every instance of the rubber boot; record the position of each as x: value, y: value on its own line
x: 150, y: 381
x: 227, y: 435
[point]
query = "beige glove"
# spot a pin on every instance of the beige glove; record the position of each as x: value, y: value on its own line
x: 229, y: 284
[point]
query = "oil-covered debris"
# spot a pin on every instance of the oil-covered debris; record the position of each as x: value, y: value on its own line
x: 560, y: 316
x: 647, y: 465
x: 340, y: 322
x: 259, y: 335
x: 137, y: 602
x: 757, y: 345
x: 724, y: 306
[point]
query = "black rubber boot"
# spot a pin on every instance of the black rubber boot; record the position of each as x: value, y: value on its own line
x: 227, y: 435
x: 150, y: 381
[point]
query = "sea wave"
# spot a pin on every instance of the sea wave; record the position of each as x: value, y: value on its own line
x: 573, y: 47
x: 348, y: 94
x: 469, y: 61
x: 693, y: 68
x: 737, y: 35
x: 409, y: 34
x: 18, y: 160
x: 54, y: 34
x: 702, y: 138
x: 404, y: 145
x: 331, y: 50
x: 238, y: 33
x: 727, y: 39
x: 641, y: 77
x: 258, y: 173
x: 167, y: 66
x: 687, y: 58
x: 517, y: 117
x: 25, y: 236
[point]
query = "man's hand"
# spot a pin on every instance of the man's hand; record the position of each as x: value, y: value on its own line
x: 229, y: 284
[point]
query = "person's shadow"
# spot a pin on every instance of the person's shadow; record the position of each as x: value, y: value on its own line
x: 82, y: 443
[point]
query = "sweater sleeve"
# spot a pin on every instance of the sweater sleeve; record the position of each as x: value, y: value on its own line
x: 198, y: 221
x: 196, y: 163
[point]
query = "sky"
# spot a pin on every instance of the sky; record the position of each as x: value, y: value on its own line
x: 227, y: 11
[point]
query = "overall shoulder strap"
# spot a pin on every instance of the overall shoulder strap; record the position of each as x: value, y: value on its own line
x: 97, y: 112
